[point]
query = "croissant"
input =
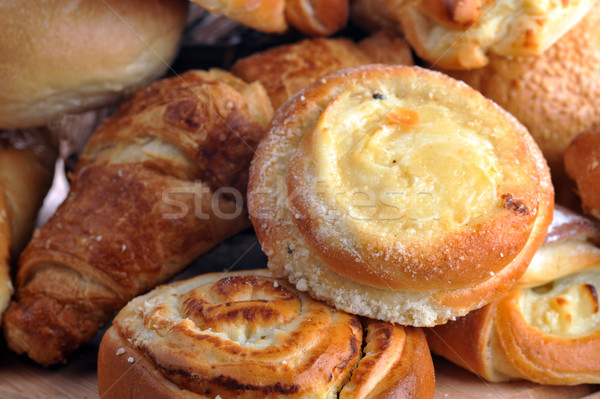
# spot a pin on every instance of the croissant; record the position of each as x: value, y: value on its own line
x: 26, y: 168
x: 158, y: 185
x: 249, y: 335
x: 313, y: 17
x: 399, y: 194
x: 285, y: 70
x: 547, y: 329
x: 459, y: 34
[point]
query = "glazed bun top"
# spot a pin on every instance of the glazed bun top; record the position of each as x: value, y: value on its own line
x: 67, y: 56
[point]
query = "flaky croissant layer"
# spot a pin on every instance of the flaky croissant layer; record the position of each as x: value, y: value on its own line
x: 147, y: 199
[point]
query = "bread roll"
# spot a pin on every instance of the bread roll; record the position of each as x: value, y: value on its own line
x: 285, y: 70
x: 26, y: 169
x: 582, y: 163
x: 159, y: 184
x: 313, y: 17
x: 555, y: 94
x: 458, y: 34
x: 545, y: 331
x: 399, y: 194
x: 67, y: 56
x: 249, y: 335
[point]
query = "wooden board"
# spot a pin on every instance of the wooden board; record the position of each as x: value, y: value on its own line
x: 22, y: 379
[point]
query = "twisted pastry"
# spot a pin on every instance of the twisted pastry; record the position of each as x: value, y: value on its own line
x: 249, y: 335
x: 393, y: 192
x: 158, y: 185
x: 285, y: 70
x: 458, y: 34
x: 26, y: 169
x: 313, y: 17
x: 545, y: 330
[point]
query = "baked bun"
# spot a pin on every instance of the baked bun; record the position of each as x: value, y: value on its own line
x: 313, y: 17
x: 26, y: 168
x: 458, y: 34
x: 547, y: 333
x: 67, y: 56
x: 249, y: 335
x: 399, y: 194
x: 285, y: 70
x: 556, y: 95
x: 582, y: 163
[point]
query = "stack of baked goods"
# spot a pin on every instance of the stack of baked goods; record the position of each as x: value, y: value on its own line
x: 57, y: 61
x: 547, y: 329
x: 386, y: 197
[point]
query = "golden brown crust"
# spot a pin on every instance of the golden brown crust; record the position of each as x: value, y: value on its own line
x: 430, y: 274
x: 548, y: 333
x: 312, y: 17
x: 317, y: 17
x: 386, y: 47
x: 553, y: 94
x: 69, y: 56
x: 144, y: 203
x: 247, y: 334
x: 285, y: 70
x: 26, y: 169
x: 131, y: 374
x: 381, y: 359
x: 459, y: 34
x: 582, y: 163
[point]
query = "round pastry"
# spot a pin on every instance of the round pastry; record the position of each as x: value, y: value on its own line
x: 546, y: 330
x: 67, y: 56
x: 249, y: 335
x: 458, y: 34
x: 313, y: 17
x: 399, y: 194
x: 582, y: 163
x: 556, y: 95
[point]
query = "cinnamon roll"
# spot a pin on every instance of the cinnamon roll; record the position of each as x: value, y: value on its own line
x: 249, y: 335
x: 545, y: 330
x: 399, y: 194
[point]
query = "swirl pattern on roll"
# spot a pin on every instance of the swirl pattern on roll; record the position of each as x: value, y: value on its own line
x: 401, y: 187
x: 249, y: 335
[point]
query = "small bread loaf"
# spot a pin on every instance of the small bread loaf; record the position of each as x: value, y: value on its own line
x: 458, y: 34
x: 556, y: 95
x: 249, y: 335
x: 26, y: 168
x: 582, y: 163
x: 399, y: 194
x: 285, y: 70
x: 67, y: 56
x: 159, y: 184
x: 313, y: 17
x: 546, y: 330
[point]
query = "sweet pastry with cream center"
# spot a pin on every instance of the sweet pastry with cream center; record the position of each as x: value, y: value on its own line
x: 460, y: 34
x: 249, y: 335
x: 400, y: 194
x: 547, y: 329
